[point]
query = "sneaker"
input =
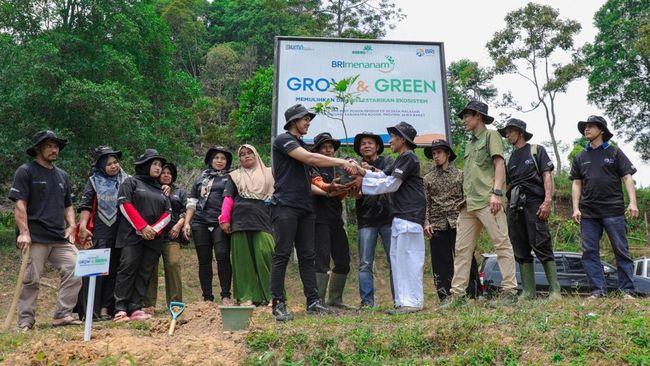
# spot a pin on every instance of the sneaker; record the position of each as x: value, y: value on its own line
x: 281, y: 313
x: 628, y: 297
x: 226, y: 301
x: 452, y: 301
x: 595, y: 296
x: 505, y: 299
x: 317, y: 307
x: 24, y: 328
x: 403, y: 310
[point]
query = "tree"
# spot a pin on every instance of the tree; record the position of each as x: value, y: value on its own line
x: 360, y: 18
x: 530, y: 46
x: 186, y: 20
x: 619, y: 68
x: 254, y: 113
x: 255, y: 23
x: 466, y: 80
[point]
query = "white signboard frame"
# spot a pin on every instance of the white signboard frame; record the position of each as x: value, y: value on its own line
x: 398, y: 81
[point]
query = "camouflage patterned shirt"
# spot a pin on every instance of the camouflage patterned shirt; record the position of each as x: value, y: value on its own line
x: 444, y: 194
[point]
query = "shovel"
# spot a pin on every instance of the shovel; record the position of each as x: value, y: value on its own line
x: 176, y: 308
x: 19, y: 286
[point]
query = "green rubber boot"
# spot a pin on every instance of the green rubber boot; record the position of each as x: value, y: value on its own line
x: 321, y: 284
x: 527, y: 280
x: 335, y: 291
x: 554, y: 292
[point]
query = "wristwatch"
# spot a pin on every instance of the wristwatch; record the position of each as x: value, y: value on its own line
x: 497, y: 191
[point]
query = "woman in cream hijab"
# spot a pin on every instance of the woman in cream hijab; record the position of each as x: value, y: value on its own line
x: 246, y: 215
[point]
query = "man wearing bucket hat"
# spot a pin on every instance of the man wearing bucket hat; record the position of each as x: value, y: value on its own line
x: 146, y: 212
x: 43, y: 205
x: 443, y: 187
x: 402, y: 180
x: 293, y: 213
x: 598, y: 204
x: 483, y: 180
x: 373, y: 216
x: 530, y: 194
x: 331, y: 238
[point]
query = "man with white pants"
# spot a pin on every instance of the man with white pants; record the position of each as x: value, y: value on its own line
x: 408, y: 204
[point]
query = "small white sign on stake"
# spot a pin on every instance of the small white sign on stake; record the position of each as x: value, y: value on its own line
x: 92, y: 263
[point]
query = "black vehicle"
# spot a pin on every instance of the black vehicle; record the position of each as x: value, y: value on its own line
x: 570, y: 274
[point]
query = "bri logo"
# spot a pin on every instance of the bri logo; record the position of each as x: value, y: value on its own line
x: 420, y: 52
x: 385, y: 66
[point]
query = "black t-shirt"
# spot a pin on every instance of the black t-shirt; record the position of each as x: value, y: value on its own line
x: 248, y: 214
x: 292, y: 178
x: 328, y: 209
x: 100, y: 229
x: 601, y: 170
x: 207, y: 212
x: 178, y: 201
x: 148, y: 199
x: 374, y: 210
x: 47, y: 193
x: 408, y: 203
x: 522, y: 171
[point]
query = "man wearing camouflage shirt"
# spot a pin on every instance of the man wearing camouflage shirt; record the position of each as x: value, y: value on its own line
x: 443, y: 188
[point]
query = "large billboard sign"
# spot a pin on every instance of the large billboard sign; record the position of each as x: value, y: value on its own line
x: 397, y: 81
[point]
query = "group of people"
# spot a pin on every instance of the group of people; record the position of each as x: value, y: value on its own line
x: 251, y: 218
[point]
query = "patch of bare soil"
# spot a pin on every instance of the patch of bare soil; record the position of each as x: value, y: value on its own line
x: 199, y: 339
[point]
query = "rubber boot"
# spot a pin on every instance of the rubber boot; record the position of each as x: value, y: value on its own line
x: 335, y: 291
x: 554, y: 292
x: 527, y: 280
x: 321, y: 284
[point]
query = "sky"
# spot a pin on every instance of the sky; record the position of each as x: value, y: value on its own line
x: 466, y: 26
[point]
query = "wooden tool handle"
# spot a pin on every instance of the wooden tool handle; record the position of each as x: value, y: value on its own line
x: 19, y: 285
x: 172, y: 326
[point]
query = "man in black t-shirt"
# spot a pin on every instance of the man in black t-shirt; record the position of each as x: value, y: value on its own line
x: 373, y: 216
x: 530, y: 193
x: 598, y: 204
x: 408, y: 205
x: 43, y: 205
x: 293, y: 216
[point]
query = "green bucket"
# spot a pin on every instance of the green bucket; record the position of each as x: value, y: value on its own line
x: 236, y: 317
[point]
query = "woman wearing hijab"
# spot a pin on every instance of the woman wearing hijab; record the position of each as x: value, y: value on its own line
x: 246, y: 213
x: 171, y: 251
x: 201, y: 220
x: 98, y: 222
x: 146, y: 212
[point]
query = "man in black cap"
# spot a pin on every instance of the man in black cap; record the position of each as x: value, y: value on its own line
x: 402, y: 180
x: 530, y: 194
x: 443, y: 187
x: 598, y: 204
x: 373, y: 216
x: 293, y: 216
x: 483, y: 183
x: 43, y: 205
x: 331, y: 238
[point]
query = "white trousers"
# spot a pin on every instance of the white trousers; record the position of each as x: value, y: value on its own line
x: 407, y: 262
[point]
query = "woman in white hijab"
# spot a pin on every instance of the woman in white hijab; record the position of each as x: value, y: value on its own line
x: 246, y: 215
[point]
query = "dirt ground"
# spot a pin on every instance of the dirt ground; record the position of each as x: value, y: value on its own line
x: 198, y: 339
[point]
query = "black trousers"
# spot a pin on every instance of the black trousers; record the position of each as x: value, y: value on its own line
x: 136, y: 264
x: 527, y: 232
x: 293, y: 225
x: 104, y: 286
x: 332, y: 241
x: 442, y: 247
x: 206, y: 242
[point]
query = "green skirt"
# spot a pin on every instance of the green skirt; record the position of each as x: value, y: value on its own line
x: 252, y: 253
